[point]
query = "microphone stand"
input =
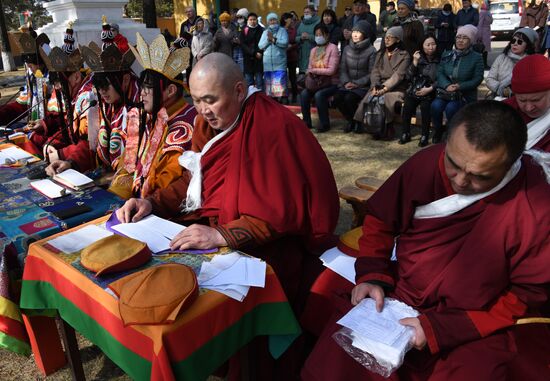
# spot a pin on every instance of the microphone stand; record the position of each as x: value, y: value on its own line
x: 93, y: 103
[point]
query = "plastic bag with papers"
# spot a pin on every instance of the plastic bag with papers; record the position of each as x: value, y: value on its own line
x: 376, y: 339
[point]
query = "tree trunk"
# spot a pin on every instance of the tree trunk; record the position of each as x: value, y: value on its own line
x: 7, y: 57
x: 149, y: 14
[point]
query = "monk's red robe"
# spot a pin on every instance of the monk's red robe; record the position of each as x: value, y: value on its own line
x: 471, y: 275
x: 267, y: 187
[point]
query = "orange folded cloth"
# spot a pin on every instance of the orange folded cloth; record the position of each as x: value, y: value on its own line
x: 156, y: 295
x: 114, y: 253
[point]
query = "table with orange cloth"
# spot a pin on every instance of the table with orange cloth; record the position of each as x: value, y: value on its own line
x: 202, y: 338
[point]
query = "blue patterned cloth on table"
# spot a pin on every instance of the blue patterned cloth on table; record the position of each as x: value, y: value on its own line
x: 275, y: 83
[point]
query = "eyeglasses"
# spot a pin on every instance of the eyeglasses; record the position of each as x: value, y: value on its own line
x: 389, y: 37
x: 517, y: 41
x: 464, y: 38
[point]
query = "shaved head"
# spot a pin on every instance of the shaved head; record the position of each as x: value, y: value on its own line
x: 218, y: 68
x: 218, y: 89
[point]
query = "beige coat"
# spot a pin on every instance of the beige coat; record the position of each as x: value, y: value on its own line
x: 390, y: 73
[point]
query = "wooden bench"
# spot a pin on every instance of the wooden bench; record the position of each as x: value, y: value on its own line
x: 368, y: 183
x: 357, y: 196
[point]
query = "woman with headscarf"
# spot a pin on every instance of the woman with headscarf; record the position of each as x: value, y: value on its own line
x: 274, y: 42
x: 388, y: 79
x: 521, y: 44
x: 413, y: 30
x: 202, y: 42
x: 355, y: 69
x: 458, y: 76
x: 226, y: 36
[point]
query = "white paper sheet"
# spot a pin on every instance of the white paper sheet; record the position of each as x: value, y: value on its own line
x: 380, y: 333
x: 13, y: 154
x: 232, y: 274
x: 154, y: 240
x: 49, y: 188
x: 340, y: 263
x: 79, y: 239
x: 74, y: 178
x: 164, y: 227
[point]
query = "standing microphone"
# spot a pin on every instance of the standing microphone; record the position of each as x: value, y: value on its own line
x: 21, y: 115
x: 92, y: 103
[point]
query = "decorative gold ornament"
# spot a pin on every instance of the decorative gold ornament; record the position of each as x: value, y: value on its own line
x: 59, y: 61
x: 108, y: 60
x: 157, y: 57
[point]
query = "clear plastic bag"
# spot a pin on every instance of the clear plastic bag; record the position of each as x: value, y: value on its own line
x: 378, y: 357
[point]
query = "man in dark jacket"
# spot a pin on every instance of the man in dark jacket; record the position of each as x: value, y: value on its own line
x: 252, y: 55
x: 361, y: 11
x: 467, y: 15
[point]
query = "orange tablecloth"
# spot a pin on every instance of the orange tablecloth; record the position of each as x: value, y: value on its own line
x: 201, y: 339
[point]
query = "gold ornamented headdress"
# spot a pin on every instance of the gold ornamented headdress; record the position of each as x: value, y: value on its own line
x: 59, y: 61
x: 108, y: 60
x: 27, y: 44
x: 157, y: 57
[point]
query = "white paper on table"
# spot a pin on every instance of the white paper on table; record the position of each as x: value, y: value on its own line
x: 79, y: 239
x: 162, y: 226
x: 233, y: 269
x: 13, y: 154
x: 74, y: 178
x: 155, y: 241
x: 233, y: 291
x: 49, y: 188
x: 339, y: 262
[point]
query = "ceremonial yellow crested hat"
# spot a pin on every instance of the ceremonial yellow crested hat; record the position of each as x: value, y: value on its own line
x: 157, y: 57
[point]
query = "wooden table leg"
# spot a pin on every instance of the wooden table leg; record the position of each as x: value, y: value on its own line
x: 71, y: 348
x: 45, y: 343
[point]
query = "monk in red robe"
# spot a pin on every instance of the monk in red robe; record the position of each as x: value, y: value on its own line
x: 531, y: 87
x: 257, y: 180
x: 470, y: 221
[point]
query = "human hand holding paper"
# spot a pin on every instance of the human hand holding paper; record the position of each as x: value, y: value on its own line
x: 419, y: 340
x: 362, y: 290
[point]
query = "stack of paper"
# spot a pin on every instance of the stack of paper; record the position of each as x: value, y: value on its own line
x: 339, y: 262
x: 73, y: 179
x: 156, y: 232
x: 79, y: 239
x: 379, y: 333
x: 232, y: 274
x: 48, y: 188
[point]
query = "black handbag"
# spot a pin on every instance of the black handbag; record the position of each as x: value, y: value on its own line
x: 418, y: 82
x: 314, y: 82
x: 448, y: 96
x: 375, y: 112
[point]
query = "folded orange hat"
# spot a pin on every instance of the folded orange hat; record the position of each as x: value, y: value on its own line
x: 349, y: 241
x: 114, y: 253
x: 156, y: 295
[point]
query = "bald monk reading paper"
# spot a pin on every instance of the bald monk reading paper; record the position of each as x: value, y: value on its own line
x: 257, y: 179
x: 470, y: 220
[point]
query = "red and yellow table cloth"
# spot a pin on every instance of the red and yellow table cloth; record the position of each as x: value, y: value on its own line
x: 201, y: 339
